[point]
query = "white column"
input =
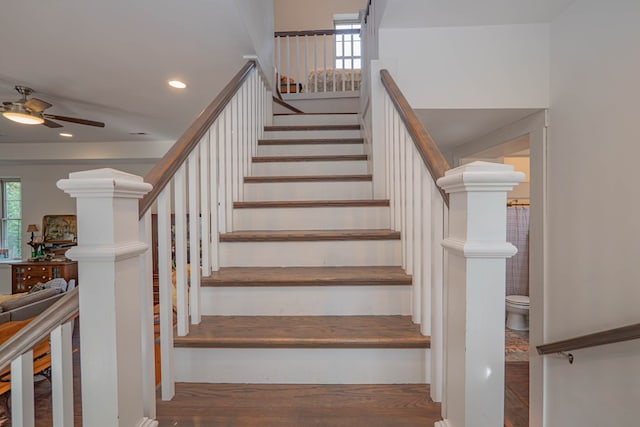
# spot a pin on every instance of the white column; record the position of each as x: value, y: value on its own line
x: 110, y: 299
x: 475, y: 293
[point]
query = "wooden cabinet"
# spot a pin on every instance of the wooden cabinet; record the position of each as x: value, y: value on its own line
x: 26, y: 274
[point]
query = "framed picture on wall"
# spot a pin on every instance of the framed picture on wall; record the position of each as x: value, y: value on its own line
x: 58, y: 229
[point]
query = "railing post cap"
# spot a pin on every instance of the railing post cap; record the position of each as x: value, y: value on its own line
x: 104, y: 182
x: 480, y: 176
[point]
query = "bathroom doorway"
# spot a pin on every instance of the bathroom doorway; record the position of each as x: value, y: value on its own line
x: 524, y: 139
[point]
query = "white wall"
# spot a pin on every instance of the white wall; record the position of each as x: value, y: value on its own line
x: 594, y: 213
x: 503, y: 66
x: 257, y: 16
x: 298, y: 15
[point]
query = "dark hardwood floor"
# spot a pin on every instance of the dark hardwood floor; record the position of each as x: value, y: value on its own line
x: 516, y: 394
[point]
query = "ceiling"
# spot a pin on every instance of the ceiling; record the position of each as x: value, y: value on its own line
x: 451, y: 128
x: 110, y: 61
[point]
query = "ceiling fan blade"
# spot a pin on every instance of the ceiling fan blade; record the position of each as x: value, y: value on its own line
x: 50, y: 124
x: 75, y: 120
x: 37, y: 105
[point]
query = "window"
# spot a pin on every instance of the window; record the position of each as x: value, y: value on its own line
x: 348, y: 45
x: 11, y: 218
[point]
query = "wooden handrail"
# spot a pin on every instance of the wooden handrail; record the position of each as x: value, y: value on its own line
x: 610, y: 336
x: 330, y: 32
x: 40, y: 327
x: 160, y: 175
x: 431, y: 155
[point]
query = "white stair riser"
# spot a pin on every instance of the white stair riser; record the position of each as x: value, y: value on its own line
x: 323, y: 190
x: 311, y: 134
x: 342, y: 253
x: 302, y: 366
x: 319, y: 149
x: 324, y: 218
x: 357, y: 167
x: 306, y: 301
x: 316, y: 119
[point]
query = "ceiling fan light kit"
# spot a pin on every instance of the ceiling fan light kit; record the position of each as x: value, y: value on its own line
x: 30, y: 111
x: 23, y: 117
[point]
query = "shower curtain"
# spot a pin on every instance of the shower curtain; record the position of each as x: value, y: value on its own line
x: 518, y: 265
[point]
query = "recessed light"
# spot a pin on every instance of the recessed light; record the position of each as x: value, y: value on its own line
x: 66, y: 135
x: 177, y: 84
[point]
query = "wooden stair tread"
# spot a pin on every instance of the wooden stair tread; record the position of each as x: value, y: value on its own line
x: 307, y: 178
x: 311, y: 127
x: 310, y: 203
x: 319, y: 158
x: 310, y: 141
x: 304, y: 332
x: 307, y: 235
x: 296, y: 405
x: 307, y: 276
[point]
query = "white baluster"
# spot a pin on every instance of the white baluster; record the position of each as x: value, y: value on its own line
x: 205, y: 204
x: 22, y: 400
x: 62, y: 375
x: 416, y: 234
x: 408, y: 206
x: 315, y: 63
x: 165, y: 289
x: 306, y: 63
x: 215, y: 191
x: 229, y: 170
x: 402, y: 171
x: 222, y: 171
x: 194, y: 238
x: 288, y: 73
x: 297, y: 60
x: 180, y: 230
x: 437, y: 291
x: 146, y: 317
x: 324, y: 61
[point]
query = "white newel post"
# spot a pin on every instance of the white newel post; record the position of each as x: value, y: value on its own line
x: 475, y: 293
x: 110, y: 297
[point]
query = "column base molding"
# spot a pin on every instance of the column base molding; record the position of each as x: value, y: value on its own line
x: 443, y: 423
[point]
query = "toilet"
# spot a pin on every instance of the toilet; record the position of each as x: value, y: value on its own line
x: 517, y: 312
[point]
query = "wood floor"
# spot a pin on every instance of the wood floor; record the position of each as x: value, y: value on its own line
x: 516, y: 394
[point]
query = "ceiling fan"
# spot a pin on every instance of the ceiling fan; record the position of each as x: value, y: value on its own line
x: 30, y: 111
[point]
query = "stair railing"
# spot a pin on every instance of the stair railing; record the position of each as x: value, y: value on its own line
x: 419, y: 210
x: 453, y: 228
x: 205, y: 169
x: 55, y: 323
x: 190, y: 191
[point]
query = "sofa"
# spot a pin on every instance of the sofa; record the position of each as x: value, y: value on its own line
x: 29, y: 304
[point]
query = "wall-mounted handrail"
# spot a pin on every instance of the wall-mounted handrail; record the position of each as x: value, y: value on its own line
x: 165, y: 169
x: 431, y: 155
x: 39, y: 328
x: 610, y: 336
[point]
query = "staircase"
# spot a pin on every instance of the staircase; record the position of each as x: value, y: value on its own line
x: 310, y: 289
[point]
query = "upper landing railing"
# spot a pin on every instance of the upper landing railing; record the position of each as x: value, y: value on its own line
x: 318, y: 60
